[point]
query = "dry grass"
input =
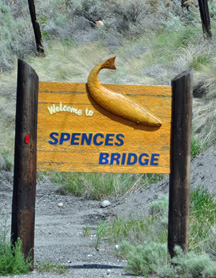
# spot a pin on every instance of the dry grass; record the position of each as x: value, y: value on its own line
x: 150, y: 50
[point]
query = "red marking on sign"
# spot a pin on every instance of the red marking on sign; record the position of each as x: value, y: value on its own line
x: 27, y: 138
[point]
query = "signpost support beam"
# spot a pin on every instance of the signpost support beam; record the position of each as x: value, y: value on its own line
x: 23, y: 206
x: 179, y: 191
x: 205, y: 17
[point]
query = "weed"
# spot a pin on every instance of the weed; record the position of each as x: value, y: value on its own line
x: 100, y: 233
x: 148, y: 258
x: 151, y: 257
x: 13, y: 41
x: 159, y: 207
x: 198, y: 61
x: 47, y: 266
x: 196, y: 147
x: 7, y: 162
x: 194, y: 265
x: 202, y: 218
x: 95, y: 185
x: 153, y: 227
x: 86, y: 232
x: 12, y: 260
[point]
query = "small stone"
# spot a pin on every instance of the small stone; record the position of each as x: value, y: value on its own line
x: 60, y: 204
x: 105, y: 204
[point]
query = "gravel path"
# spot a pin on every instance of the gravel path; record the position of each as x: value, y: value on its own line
x: 61, y: 220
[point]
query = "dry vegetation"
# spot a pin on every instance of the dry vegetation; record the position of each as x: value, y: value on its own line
x: 153, y: 41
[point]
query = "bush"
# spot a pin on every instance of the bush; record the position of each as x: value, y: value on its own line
x: 95, y: 185
x: 12, y: 260
x: 6, y: 160
x: 7, y: 37
x: 202, y: 219
x: 16, y: 37
x: 147, y: 258
x: 195, y: 147
x: 193, y: 265
x: 153, y: 257
x: 47, y: 266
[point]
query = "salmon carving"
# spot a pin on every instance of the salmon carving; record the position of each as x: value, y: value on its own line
x: 118, y: 103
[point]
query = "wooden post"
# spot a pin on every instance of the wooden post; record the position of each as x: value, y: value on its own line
x: 36, y: 27
x: 23, y: 206
x: 204, y: 14
x: 179, y: 192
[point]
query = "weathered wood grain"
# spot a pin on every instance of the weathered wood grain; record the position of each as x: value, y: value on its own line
x: 179, y: 191
x: 138, y: 139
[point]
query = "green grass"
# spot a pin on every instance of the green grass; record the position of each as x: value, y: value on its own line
x: 12, y: 261
x: 143, y: 242
x: 86, y: 231
x: 93, y: 185
x: 153, y: 43
x: 50, y: 267
x: 199, y: 61
x: 152, y: 258
x: 202, y: 219
x: 97, y: 186
x: 196, y: 147
x: 7, y: 160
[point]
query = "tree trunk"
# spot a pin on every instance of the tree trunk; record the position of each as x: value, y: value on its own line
x: 23, y: 206
x: 204, y: 14
x: 36, y: 27
x: 179, y: 188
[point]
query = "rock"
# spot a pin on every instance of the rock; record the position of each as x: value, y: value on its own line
x: 60, y: 204
x: 199, y: 90
x: 105, y: 204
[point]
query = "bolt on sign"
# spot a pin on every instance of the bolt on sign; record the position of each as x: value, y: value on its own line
x: 103, y: 128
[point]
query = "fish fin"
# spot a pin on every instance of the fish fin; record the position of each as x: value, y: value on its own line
x: 109, y: 64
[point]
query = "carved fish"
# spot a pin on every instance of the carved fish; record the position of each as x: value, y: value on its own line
x: 117, y: 103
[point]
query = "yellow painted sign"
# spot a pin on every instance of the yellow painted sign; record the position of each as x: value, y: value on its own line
x: 78, y: 133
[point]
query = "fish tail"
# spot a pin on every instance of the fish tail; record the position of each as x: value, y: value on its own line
x: 109, y: 64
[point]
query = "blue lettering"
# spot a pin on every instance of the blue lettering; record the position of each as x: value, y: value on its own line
x: 103, y: 159
x: 96, y: 137
x: 121, y: 141
x: 123, y: 159
x: 146, y: 161
x: 86, y: 139
x: 154, y: 159
x: 132, y: 159
x: 109, y: 140
x: 52, y: 136
x: 115, y: 157
x: 64, y: 137
x: 74, y: 138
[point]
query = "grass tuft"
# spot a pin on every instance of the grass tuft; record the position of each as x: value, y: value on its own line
x: 151, y: 256
x: 202, y: 219
x: 196, y: 147
x: 97, y: 186
x: 12, y: 261
x: 147, y: 258
x: 50, y: 267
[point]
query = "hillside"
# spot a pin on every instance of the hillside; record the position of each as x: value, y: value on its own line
x: 153, y: 41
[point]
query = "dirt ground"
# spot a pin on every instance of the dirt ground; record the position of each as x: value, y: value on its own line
x: 59, y: 229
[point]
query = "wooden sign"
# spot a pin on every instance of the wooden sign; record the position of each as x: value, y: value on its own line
x: 75, y: 134
x: 101, y: 128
